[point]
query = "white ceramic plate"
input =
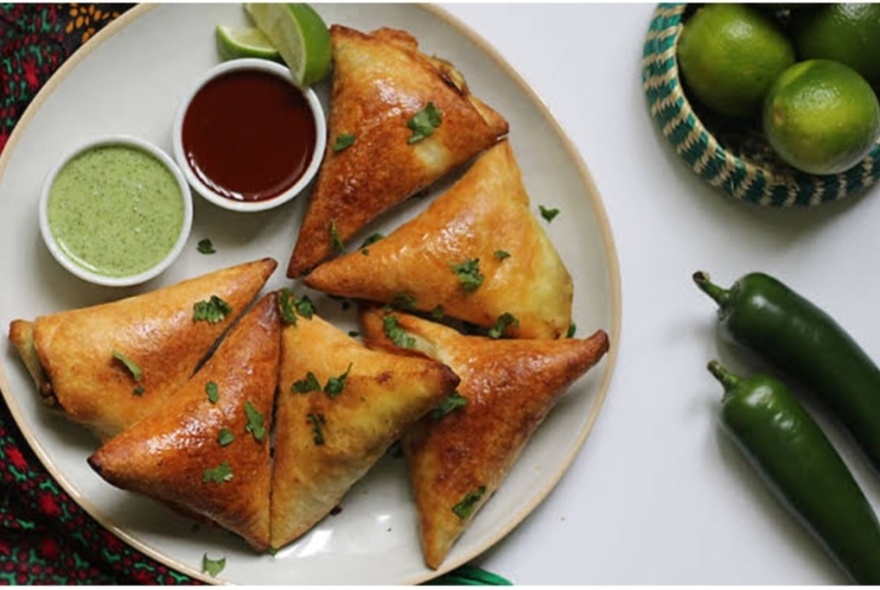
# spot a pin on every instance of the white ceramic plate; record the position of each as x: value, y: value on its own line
x: 129, y: 80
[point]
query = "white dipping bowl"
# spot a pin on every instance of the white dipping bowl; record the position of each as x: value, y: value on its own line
x: 317, y: 111
x: 68, y: 261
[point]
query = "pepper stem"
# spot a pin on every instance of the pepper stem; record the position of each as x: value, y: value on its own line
x: 721, y: 296
x: 725, y: 377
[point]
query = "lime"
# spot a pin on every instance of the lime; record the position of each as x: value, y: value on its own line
x: 244, y: 42
x: 849, y: 33
x: 821, y: 116
x: 730, y: 54
x: 300, y: 35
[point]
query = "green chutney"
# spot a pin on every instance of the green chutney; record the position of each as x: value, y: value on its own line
x: 115, y: 210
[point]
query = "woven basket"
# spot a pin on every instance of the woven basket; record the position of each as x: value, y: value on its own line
x: 736, y: 160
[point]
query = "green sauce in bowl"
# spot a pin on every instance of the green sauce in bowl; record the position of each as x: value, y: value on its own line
x: 116, y: 210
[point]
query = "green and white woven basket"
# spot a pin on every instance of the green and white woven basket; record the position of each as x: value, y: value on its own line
x: 735, y: 160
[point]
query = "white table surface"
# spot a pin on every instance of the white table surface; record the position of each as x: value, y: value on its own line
x: 658, y: 495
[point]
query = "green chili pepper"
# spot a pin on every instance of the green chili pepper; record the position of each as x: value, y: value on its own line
x: 800, y: 464
x: 805, y: 343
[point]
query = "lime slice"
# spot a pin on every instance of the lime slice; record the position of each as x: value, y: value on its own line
x: 244, y: 42
x: 300, y: 35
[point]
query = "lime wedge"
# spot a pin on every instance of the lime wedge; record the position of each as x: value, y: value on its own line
x: 300, y: 35
x: 244, y: 42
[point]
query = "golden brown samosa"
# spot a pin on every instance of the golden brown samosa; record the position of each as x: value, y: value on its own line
x: 207, y: 452
x: 477, y: 253
x: 405, y: 119
x: 108, y: 365
x: 507, y: 389
x: 340, y: 406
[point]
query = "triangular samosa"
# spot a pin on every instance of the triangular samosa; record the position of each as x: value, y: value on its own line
x: 399, y: 121
x: 108, y: 365
x: 507, y: 388
x: 340, y: 407
x: 207, y: 452
x: 477, y: 253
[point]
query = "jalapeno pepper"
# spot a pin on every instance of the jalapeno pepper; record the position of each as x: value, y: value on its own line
x: 808, y: 346
x: 800, y: 464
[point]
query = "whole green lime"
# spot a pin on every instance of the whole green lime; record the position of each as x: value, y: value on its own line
x: 821, y: 116
x: 730, y: 54
x: 849, y: 33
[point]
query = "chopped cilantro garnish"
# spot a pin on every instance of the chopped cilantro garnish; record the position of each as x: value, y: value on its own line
x: 403, y: 301
x: 205, y: 246
x: 213, y: 392
x: 310, y: 383
x: 466, y: 507
x: 437, y: 313
x: 335, y: 241
x: 135, y: 371
x: 317, y: 420
x: 304, y: 306
x: 343, y: 140
x: 285, y: 306
x: 504, y: 321
x: 424, y: 122
x: 501, y: 254
x: 354, y: 333
x: 225, y: 437
x: 572, y: 328
x: 548, y: 214
x: 372, y: 239
x: 397, y: 334
x: 449, y: 404
x: 212, y: 567
x: 255, y: 421
x: 139, y: 390
x: 212, y: 311
x: 469, y: 274
x: 335, y: 385
x: 219, y: 474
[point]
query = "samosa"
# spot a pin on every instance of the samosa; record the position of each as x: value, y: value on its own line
x: 477, y: 253
x: 207, y: 453
x: 340, y: 407
x: 399, y: 121
x: 108, y: 365
x: 508, y: 386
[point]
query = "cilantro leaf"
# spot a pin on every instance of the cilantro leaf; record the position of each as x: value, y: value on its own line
x: 139, y: 390
x: 548, y: 214
x: 449, y: 404
x: 469, y: 274
x: 219, y: 474
x: 225, y: 437
x: 397, y: 334
x: 437, y: 313
x: 212, y: 311
x: 255, y: 421
x: 424, y: 122
x: 205, y: 246
x: 504, y: 321
x: 317, y: 420
x: 403, y: 301
x: 310, y: 383
x: 212, y: 567
x: 466, y: 507
x: 132, y: 367
x: 304, y: 307
x: 501, y: 254
x: 343, y: 140
x: 372, y: 239
x: 335, y: 241
x: 212, y: 391
x: 572, y: 328
x: 285, y: 306
x: 335, y: 385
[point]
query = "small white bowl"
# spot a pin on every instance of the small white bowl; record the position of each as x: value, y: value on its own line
x: 317, y: 111
x: 88, y: 274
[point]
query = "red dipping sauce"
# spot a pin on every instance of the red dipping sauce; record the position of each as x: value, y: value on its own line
x: 249, y: 135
